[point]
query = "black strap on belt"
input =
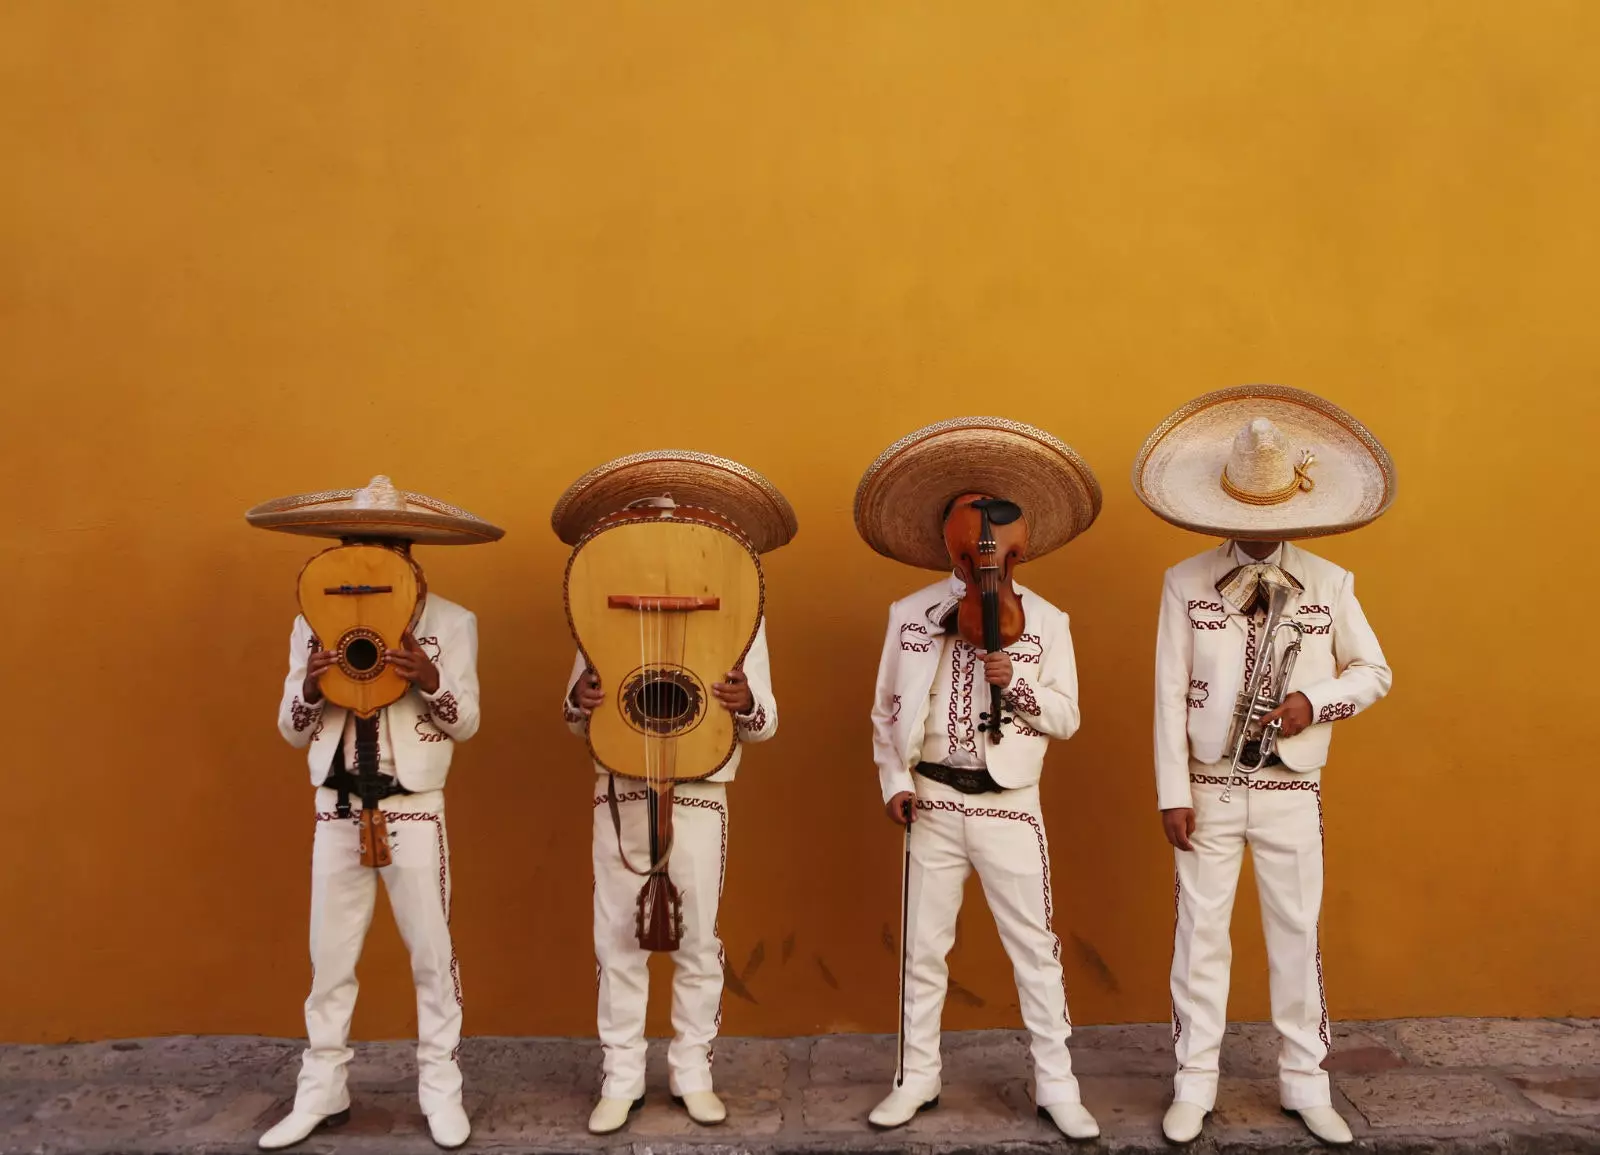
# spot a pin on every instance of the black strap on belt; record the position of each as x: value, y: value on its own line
x: 366, y: 784
x: 965, y: 781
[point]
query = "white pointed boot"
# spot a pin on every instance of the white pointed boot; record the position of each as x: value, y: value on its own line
x: 1183, y: 1122
x: 1072, y: 1120
x: 449, y: 1126
x: 1326, y: 1124
x: 612, y: 1114
x: 900, y: 1108
x: 298, y: 1126
x: 703, y: 1106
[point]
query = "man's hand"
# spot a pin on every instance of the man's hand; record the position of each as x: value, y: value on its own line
x: 1178, y: 824
x: 997, y: 669
x: 413, y: 665
x: 734, y: 693
x: 587, y: 694
x: 1295, y: 712
x: 321, y: 661
x: 902, y: 808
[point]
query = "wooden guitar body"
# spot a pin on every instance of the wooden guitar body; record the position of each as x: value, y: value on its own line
x: 359, y: 600
x: 663, y: 603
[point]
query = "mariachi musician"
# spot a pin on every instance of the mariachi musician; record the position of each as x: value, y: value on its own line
x: 382, y: 683
x: 977, y: 676
x: 665, y: 600
x: 1261, y: 647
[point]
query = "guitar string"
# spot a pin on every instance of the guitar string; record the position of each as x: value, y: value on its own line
x: 644, y: 692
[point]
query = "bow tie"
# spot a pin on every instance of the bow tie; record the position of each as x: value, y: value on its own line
x: 1245, y: 587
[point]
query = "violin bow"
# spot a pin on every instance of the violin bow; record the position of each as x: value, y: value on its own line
x: 905, y: 951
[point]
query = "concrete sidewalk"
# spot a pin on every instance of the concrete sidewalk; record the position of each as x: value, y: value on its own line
x: 1414, y: 1086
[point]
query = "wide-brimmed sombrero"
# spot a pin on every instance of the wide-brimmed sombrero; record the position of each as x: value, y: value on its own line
x: 1264, y: 463
x: 378, y: 510
x: 736, y: 491
x: 901, y: 500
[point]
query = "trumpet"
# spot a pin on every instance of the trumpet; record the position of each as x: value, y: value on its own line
x: 1266, y: 687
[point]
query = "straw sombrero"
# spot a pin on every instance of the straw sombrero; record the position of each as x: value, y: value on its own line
x: 737, y: 492
x: 377, y: 511
x: 1264, y: 463
x: 901, y: 500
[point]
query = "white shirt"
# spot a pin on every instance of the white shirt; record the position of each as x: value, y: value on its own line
x: 956, y: 698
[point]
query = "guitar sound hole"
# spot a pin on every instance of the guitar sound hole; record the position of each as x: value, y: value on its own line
x: 662, y: 701
x: 361, y: 654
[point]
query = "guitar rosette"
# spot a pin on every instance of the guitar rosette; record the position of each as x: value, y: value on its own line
x: 662, y: 700
x: 359, y: 653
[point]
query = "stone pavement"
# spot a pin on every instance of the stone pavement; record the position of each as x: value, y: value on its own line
x: 1414, y: 1086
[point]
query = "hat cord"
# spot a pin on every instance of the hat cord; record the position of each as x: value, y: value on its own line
x: 1302, y: 483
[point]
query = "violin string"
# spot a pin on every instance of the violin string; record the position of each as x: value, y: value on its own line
x: 655, y: 712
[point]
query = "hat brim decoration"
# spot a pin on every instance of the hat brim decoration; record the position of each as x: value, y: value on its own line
x: 1178, y: 472
x: 725, y: 487
x: 901, y: 500
x: 397, y: 515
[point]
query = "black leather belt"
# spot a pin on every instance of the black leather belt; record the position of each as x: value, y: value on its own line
x: 1252, y: 751
x: 347, y: 783
x: 965, y: 781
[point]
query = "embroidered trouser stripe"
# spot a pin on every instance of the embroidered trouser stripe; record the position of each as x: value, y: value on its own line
x: 1280, y: 820
x: 1001, y: 836
x: 697, y: 865
x: 343, y: 895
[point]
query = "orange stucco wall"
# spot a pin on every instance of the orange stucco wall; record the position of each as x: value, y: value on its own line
x: 251, y: 249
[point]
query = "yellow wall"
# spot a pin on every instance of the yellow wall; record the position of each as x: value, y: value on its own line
x: 248, y: 249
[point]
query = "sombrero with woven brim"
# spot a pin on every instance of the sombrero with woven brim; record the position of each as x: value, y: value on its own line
x: 735, y: 491
x: 901, y: 500
x: 1264, y: 463
x: 378, y: 510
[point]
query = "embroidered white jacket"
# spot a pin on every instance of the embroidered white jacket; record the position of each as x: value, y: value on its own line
x: 759, y: 724
x: 423, y: 728
x: 1042, y: 696
x: 1203, y: 645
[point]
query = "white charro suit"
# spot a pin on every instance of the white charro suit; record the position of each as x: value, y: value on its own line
x: 416, y: 736
x: 697, y: 865
x: 930, y: 692
x: 1204, y: 649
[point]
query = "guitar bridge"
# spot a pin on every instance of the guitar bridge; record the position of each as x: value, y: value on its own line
x: 661, y: 605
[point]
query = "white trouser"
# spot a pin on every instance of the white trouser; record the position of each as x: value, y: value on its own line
x: 696, y: 867
x: 1002, y: 836
x: 342, y: 896
x: 1279, y: 815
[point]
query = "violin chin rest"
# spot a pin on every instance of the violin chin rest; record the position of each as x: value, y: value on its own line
x: 1001, y: 511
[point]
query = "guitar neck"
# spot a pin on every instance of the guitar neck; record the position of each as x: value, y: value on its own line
x: 367, y: 758
x: 659, y: 802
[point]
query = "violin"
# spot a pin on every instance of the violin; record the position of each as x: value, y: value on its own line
x: 986, y: 537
